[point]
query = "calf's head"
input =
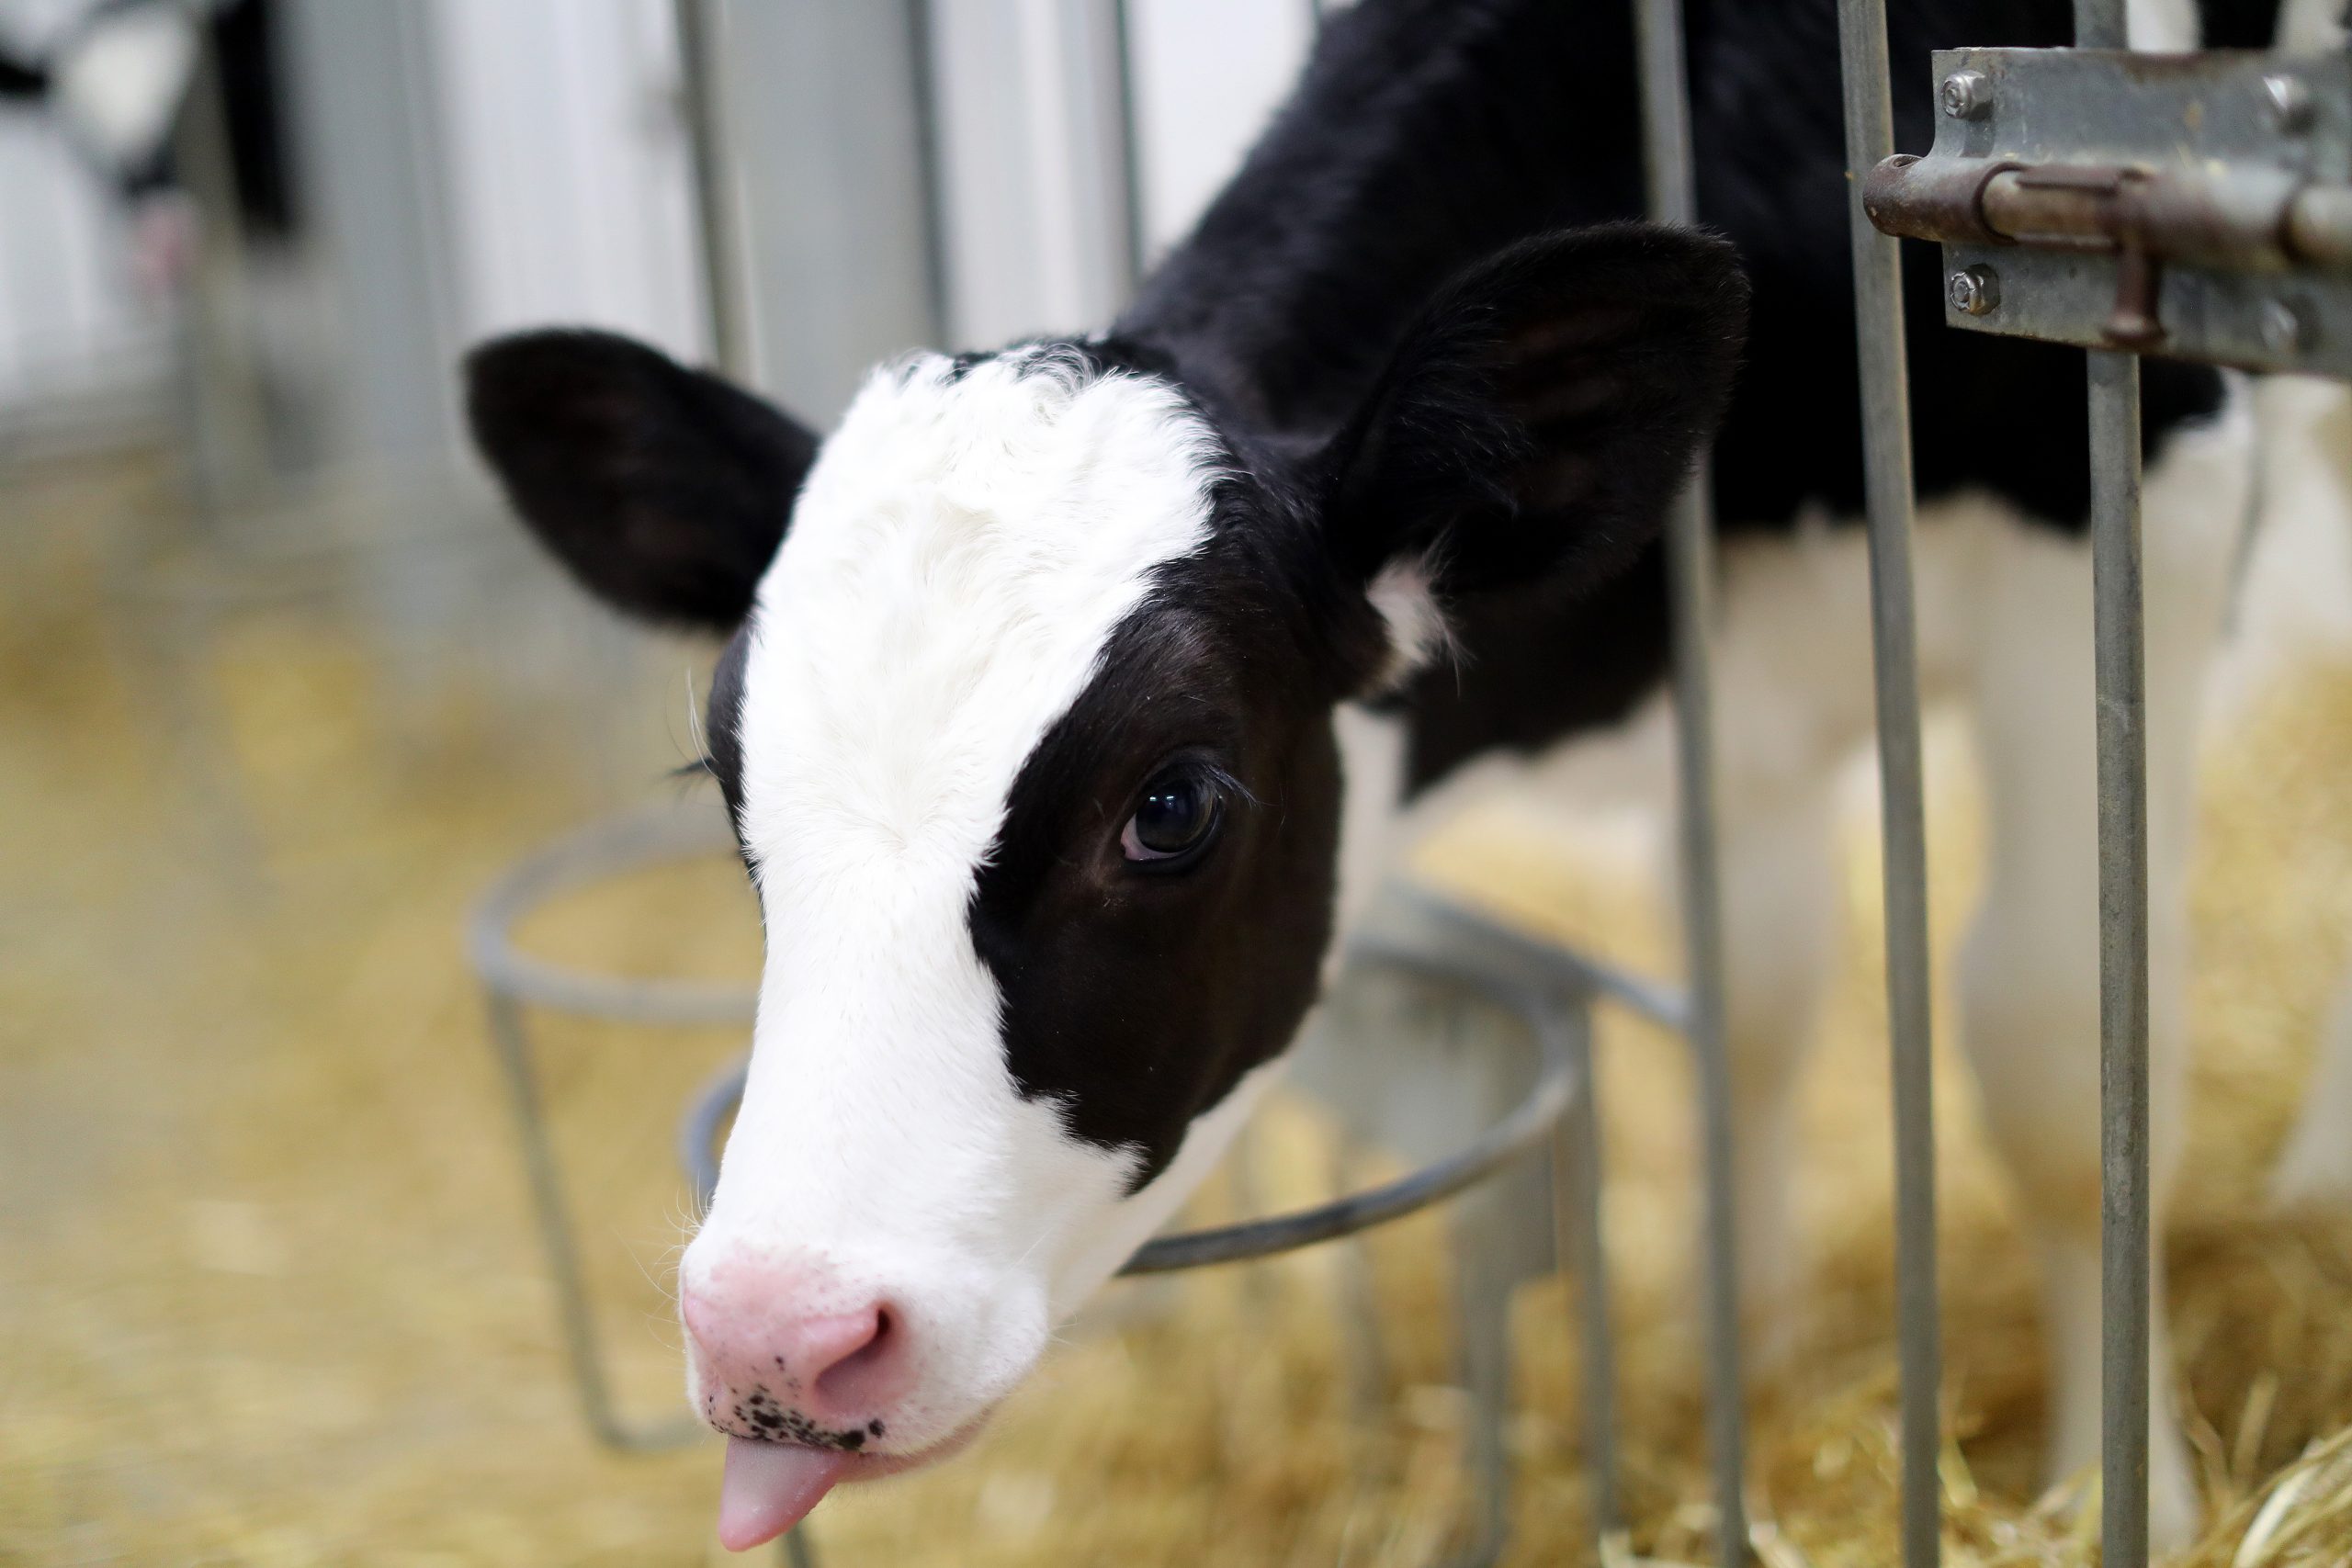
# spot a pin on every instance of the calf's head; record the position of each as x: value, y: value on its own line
x: 1025, y: 724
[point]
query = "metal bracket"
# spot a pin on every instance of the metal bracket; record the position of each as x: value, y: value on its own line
x: 2194, y: 206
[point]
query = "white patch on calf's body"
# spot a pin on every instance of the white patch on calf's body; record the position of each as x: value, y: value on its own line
x: 1372, y: 784
x: 959, y: 558
x: 119, y: 84
x: 2316, y: 1167
x: 1409, y: 610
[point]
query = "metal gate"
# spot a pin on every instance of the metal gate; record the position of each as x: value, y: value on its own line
x: 2194, y: 205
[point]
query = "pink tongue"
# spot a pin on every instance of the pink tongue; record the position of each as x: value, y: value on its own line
x: 770, y: 1487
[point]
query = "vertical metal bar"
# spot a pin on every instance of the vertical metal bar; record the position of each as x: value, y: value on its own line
x: 717, y: 217
x: 1665, y: 146
x: 2121, y: 698
x: 1665, y: 111
x: 559, y: 1238
x: 2121, y: 684
x: 1359, y: 1308
x: 1886, y: 462
x: 2099, y: 24
x: 555, y: 1232
x: 925, y: 67
x: 554, y: 1216
x: 1133, y: 236
x: 1576, y: 1211
x: 1483, y: 1302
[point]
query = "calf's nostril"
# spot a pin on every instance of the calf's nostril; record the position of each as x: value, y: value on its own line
x: 771, y: 1368
x: 867, y: 1373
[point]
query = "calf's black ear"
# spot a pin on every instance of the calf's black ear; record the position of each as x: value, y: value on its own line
x: 664, y: 491
x: 1538, y: 417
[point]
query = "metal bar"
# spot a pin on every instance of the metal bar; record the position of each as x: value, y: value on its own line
x: 2122, y: 954
x: 2231, y: 215
x: 1482, y: 1304
x: 1576, y: 1214
x: 2099, y: 24
x: 1527, y: 1126
x: 1691, y: 554
x: 1359, y: 1305
x: 1886, y: 460
x: 1547, y: 965
x: 558, y: 1236
x: 602, y: 850
x: 719, y: 223
x: 1132, y: 236
x: 1666, y: 145
x: 925, y: 68
x: 2121, y: 699
x: 1665, y: 111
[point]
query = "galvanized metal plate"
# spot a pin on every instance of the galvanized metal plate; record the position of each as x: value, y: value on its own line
x: 2214, y: 112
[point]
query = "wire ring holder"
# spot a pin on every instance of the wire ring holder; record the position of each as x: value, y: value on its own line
x: 1546, y: 990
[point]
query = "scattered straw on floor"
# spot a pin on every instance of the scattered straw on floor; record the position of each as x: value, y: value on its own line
x: 269, y: 1295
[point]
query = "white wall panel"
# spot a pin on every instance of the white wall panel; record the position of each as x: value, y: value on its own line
x: 830, y: 174
x: 1208, y: 75
x: 1030, y: 150
x: 567, y: 168
x: 555, y: 184
x: 1030, y: 163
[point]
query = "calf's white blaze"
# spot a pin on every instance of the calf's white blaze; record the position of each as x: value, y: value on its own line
x: 958, y: 560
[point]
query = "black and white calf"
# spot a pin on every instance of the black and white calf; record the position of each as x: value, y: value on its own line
x: 1075, y: 693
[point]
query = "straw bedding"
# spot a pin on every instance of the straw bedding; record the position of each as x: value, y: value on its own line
x: 270, y: 1295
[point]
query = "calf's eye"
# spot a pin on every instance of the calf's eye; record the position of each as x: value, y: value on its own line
x: 1176, y: 818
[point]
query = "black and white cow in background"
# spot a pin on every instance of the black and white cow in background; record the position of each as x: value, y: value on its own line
x: 1076, y: 693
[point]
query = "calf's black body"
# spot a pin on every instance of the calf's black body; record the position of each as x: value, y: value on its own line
x: 1428, y: 133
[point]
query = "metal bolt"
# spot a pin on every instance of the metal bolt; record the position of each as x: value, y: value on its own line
x: 1974, y: 290
x: 2291, y: 101
x: 2284, y: 331
x: 1966, y: 93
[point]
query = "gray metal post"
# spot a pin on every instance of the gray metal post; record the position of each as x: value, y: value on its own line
x: 2122, y: 954
x: 1582, y: 1244
x: 1482, y: 1304
x: 2121, y: 697
x: 719, y: 220
x: 1886, y: 455
x: 369, y: 144
x: 827, y: 118
x: 1666, y: 144
x: 1138, y: 243
x: 558, y: 1236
